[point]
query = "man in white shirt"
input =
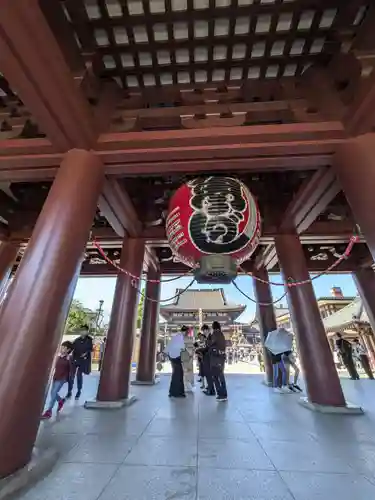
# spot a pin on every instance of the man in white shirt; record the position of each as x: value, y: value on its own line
x: 360, y: 354
x: 173, y: 349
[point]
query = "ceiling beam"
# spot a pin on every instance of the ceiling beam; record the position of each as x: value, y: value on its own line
x: 32, y: 159
x: 102, y: 234
x: 98, y: 270
x: 63, y: 33
x: 359, y: 118
x: 229, y: 136
x: 310, y: 200
x: 33, y: 63
x: 339, y: 231
x: 116, y: 206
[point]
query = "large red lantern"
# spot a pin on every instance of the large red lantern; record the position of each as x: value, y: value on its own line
x: 213, y: 220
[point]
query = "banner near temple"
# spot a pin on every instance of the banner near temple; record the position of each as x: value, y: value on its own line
x: 213, y: 225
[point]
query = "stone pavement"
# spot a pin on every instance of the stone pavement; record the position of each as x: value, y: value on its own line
x: 259, y: 445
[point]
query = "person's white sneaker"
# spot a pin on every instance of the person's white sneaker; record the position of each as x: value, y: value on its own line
x: 286, y: 390
x: 278, y: 390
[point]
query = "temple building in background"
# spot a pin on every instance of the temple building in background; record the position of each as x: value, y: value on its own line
x: 196, y: 307
x: 327, y: 307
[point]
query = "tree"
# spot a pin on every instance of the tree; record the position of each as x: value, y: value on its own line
x: 140, y: 310
x: 78, y: 316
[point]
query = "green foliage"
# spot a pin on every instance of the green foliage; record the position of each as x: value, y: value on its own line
x: 78, y: 317
x: 140, y: 310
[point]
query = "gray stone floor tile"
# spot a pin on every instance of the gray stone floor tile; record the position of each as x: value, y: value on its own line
x: 323, y: 486
x: 218, y: 484
x: 133, y: 482
x: 101, y: 424
x: 224, y: 429
x: 172, y: 427
x: 219, y: 412
x: 278, y: 432
x: 73, y: 482
x: 232, y: 453
x: 161, y: 450
x: 184, y: 409
x: 63, y: 443
x: 110, y: 449
x: 302, y: 456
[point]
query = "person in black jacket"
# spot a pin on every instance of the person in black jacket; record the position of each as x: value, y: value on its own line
x: 199, y: 346
x: 345, y: 349
x: 209, y: 390
x: 82, y: 349
x: 216, y: 351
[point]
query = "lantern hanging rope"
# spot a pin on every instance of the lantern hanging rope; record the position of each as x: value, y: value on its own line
x: 353, y: 240
x: 254, y: 301
x: 291, y: 283
x: 122, y: 270
x: 164, y: 300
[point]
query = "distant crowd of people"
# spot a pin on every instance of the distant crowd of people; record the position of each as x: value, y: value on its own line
x: 209, y: 350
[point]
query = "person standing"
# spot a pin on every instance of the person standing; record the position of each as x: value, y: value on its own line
x: 187, y: 358
x: 60, y: 377
x: 101, y: 352
x: 199, y: 345
x: 361, y: 355
x: 280, y: 375
x: 209, y: 390
x: 217, y: 361
x: 345, y: 349
x: 261, y: 360
x: 82, y: 349
x: 174, y: 348
x: 289, y: 360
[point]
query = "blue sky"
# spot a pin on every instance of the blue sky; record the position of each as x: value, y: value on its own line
x: 90, y: 290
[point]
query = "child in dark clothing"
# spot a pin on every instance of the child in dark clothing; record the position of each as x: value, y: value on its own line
x: 61, y: 375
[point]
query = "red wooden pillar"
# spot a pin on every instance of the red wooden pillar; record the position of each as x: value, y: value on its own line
x: 115, y: 374
x: 34, y: 312
x: 354, y: 164
x: 154, y: 327
x: 265, y: 314
x: 322, y: 381
x: 365, y: 282
x: 147, y: 351
x: 366, y: 340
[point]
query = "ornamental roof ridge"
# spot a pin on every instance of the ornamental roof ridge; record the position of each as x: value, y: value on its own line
x: 212, y: 299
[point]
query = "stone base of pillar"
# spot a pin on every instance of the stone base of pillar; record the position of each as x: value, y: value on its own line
x: 348, y: 409
x: 146, y: 382
x: 41, y: 464
x: 109, y: 405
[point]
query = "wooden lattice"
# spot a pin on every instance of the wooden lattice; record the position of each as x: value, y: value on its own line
x: 184, y: 42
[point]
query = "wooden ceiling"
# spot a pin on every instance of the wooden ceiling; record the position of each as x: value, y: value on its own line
x: 184, y: 42
x: 264, y: 90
